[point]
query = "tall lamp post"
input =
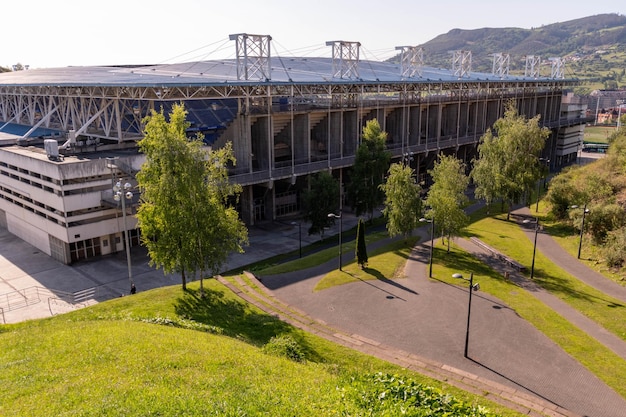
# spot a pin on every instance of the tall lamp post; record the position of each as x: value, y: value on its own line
x: 472, y: 287
x: 532, y: 267
x: 582, y: 228
x: 299, y: 236
x: 340, y: 217
x: 432, y: 241
x: 545, y: 161
x: 123, y: 193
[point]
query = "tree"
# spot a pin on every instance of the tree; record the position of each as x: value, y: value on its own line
x: 361, y: 247
x: 509, y: 164
x: 184, y: 215
x: 403, y: 205
x: 321, y: 199
x: 370, y: 165
x: 446, y: 196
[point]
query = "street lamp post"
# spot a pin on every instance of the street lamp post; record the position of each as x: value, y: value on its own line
x: 340, y: 217
x: 123, y: 193
x: 299, y: 236
x: 545, y: 161
x: 472, y: 287
x: 532, y: 266
x: 432, y: 241
x: 538, y: 191
x: 582, y: 228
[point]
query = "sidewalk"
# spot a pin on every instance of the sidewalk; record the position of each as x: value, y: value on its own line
x: 26, y: 272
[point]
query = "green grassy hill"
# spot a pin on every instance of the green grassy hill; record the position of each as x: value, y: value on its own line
x: 167, y: 352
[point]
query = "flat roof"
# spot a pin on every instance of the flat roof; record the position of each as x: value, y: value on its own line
x: 290, y: 70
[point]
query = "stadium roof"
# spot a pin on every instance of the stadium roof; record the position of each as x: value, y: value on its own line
x: 291, y: 70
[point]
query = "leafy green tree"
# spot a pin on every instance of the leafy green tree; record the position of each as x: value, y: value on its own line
x: 487, y: 171
x: 184, y: 215
x: 403, y: 205
x: 446, y: 197
x: 361, y: 247
x: 368, y: 172
x: 509, y: 165
x: 321, y: 199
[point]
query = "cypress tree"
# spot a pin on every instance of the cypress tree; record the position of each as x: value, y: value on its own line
x: 361, y: 248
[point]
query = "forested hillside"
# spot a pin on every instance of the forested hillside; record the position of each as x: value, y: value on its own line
x: 593, y: 48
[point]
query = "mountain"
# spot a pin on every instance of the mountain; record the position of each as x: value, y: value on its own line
x: 591, y: 46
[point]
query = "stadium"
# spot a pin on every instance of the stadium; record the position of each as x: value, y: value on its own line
x: 67, y: 135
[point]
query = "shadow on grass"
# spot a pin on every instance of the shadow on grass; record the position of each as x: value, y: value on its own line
x: 238, y: 321
x: 561, y: 230
x: 230, y: 315
x: 380, y: 277
x: 559, y: 285
x: 466, y: 263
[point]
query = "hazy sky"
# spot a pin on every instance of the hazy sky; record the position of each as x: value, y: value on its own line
x: 48, y: 33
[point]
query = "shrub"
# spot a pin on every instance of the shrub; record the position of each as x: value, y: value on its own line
x: 603, y: 219
x: 614, y: 251
x: 560, y: 195
x: 383, y: 394
x: 286, y: 346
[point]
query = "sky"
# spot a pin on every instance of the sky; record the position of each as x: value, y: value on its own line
x: 46, y: 33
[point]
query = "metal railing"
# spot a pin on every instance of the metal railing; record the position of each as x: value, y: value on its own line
x: 32, y: 295
x: 20, y: 298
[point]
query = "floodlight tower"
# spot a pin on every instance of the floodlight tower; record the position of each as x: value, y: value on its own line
x: 253, y: 56
x: 461, y: 63
x: 501, y: 65
x: 533, y: 64
x: 345, y: 59
x: 557, y: 68
x: 412, y: 61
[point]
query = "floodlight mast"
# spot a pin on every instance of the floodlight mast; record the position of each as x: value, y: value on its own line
x: 533, y: 65
x: 412, y: 61
x: 461, y: 63
x: 345, y: 59
x: 253, y: 56
x: 501, y: 65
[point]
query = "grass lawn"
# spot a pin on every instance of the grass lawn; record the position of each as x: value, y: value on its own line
x: 167, y: 352
x: 598, y: 134
x: 384, y: 263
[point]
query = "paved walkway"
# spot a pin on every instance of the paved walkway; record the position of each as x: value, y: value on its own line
x: 427, y: 318
x: 414, y: 321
